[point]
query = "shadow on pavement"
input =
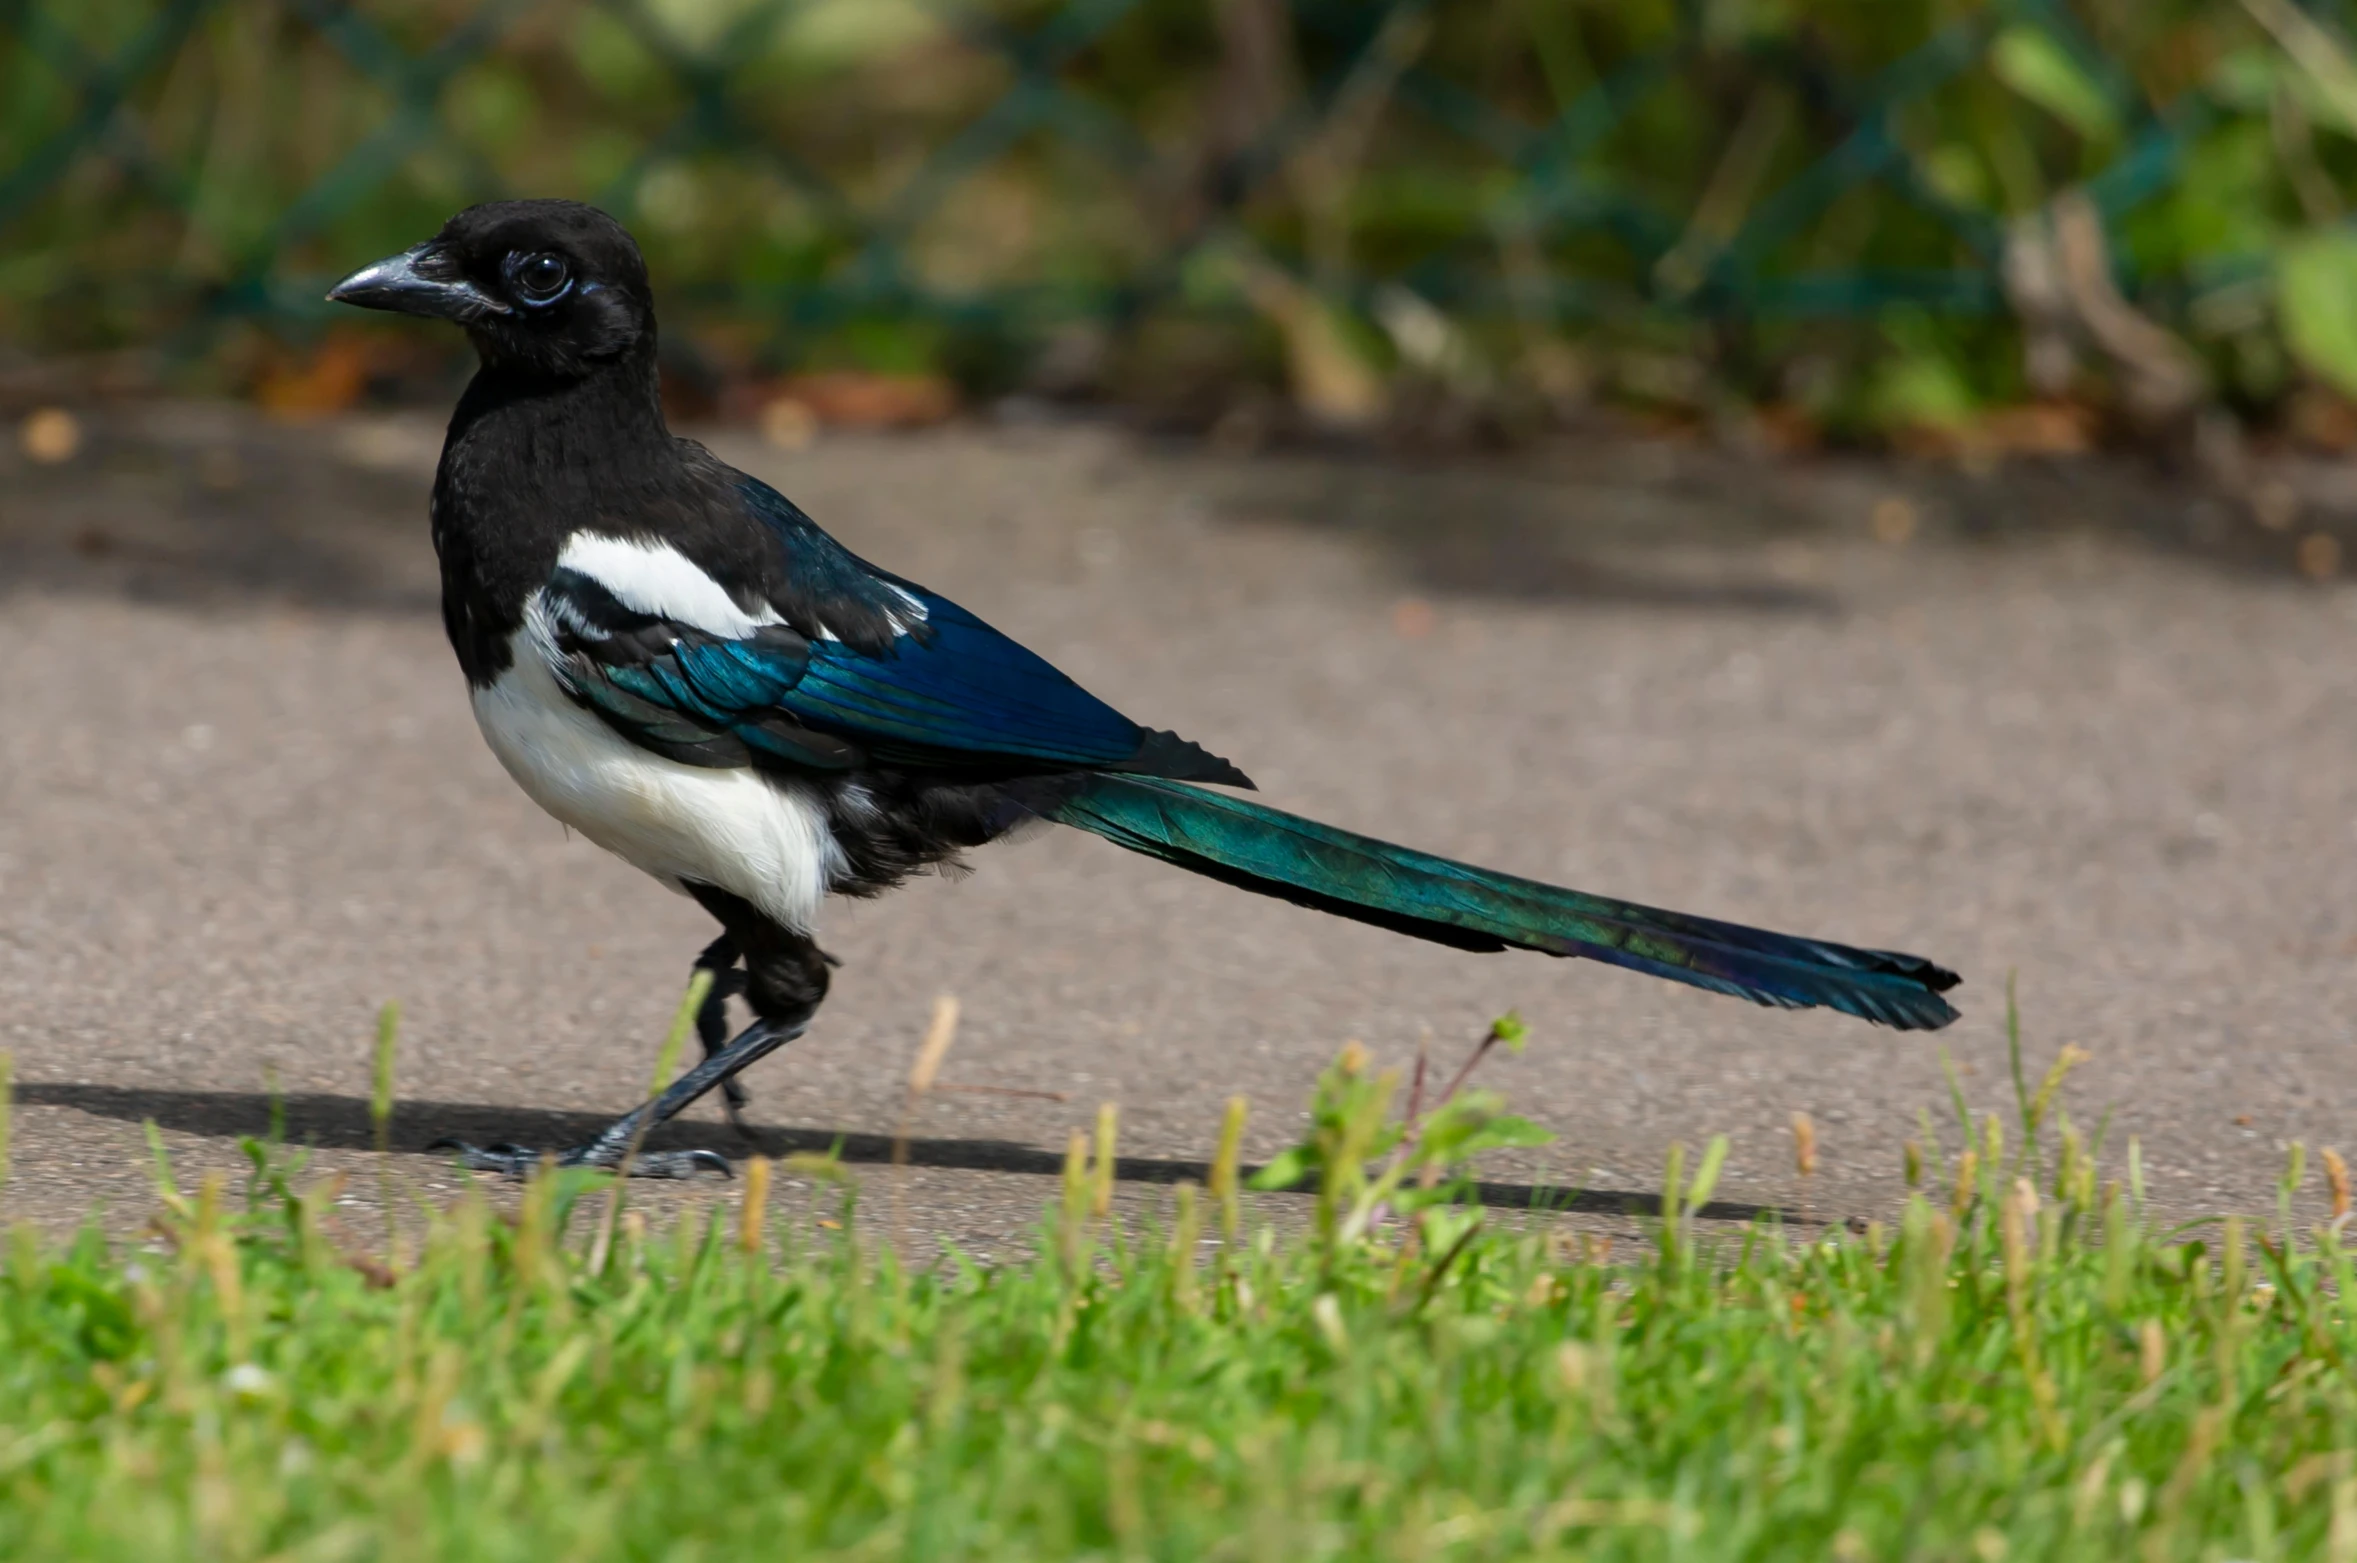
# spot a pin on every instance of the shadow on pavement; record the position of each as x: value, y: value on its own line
x: 342, y: 1123
x: 1695, y: 524
x: 1599, y: 530
x: 212, y: 506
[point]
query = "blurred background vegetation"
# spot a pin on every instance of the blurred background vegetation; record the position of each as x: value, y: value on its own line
x: 1959, y: 226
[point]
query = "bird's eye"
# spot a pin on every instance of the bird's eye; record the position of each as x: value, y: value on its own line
x: 540, y: 278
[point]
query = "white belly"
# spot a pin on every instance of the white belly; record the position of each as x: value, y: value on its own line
x: 763, y: 840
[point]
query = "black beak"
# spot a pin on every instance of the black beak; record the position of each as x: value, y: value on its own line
x: 417, y: 281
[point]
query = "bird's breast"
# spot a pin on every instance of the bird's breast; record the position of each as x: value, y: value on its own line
x: 760, y: 838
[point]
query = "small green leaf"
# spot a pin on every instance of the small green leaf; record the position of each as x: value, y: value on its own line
x: 1513, y: 1133
x: 1473, y: 1122
x: 1509, y: 1029
x: 2041, y: 70
x: 2326, y: 82
x: 2316, y: 291
x: 1956, y: 171
x: 1920, y: 390
x: 1444, y: 1228
x: 2246, y: 79
x: 1284, y: 1172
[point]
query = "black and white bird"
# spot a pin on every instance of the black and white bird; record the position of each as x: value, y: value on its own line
x: 675, y: 661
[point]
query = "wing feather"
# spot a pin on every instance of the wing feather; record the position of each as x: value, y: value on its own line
x: 847, y: 666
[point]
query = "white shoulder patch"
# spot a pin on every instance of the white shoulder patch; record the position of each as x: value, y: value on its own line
x: 658, y: 579
x: 917, y: 613
x: 912, y: 612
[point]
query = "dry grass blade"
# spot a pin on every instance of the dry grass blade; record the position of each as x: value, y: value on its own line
x: 752, y: 1216
x: 1225, y: 1172
x: 940, y: 1033
x: 382, y: 1061
x: 1100, y: 1201
x: 938, y: 1037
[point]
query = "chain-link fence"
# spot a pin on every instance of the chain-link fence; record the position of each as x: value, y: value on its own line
x: 1326, y: 191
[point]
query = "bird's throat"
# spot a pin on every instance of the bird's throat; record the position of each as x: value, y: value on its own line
x: 612, y: 416
x: 529, y: 460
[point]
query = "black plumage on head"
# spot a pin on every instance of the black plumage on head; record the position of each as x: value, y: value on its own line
x: 563, y: 285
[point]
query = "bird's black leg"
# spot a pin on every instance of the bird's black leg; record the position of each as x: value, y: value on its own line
x: 755, y: 1042
x: 785, y: 979
x: 720, y: 959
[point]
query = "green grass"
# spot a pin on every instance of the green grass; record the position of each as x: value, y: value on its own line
x: 2006, y: 1374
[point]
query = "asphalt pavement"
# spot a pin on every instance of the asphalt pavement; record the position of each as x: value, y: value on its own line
x: 242, y: 803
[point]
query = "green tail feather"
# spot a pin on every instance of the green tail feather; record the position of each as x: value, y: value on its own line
x: 1273, y: 853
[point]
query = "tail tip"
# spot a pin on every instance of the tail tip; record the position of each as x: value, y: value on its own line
x: 1929, y: 1013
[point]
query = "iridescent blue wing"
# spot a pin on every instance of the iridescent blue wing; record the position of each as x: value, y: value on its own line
x: 856, y: 667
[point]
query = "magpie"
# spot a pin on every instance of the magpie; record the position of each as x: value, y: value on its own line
x: 671, y: 658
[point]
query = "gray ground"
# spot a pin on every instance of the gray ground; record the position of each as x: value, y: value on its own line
x: 242, y: 801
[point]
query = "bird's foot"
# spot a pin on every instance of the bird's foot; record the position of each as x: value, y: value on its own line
x: 613, y: 1149
x: 518, y: 1161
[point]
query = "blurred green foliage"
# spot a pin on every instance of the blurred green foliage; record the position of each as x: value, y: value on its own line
x: 1876, y: 214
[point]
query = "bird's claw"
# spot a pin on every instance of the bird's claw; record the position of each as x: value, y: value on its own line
x: 517, y: 1161
x: 513, y: 1160
x: 679, y: 1164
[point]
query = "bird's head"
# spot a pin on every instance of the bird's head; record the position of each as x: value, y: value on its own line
x: 549, y: 286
